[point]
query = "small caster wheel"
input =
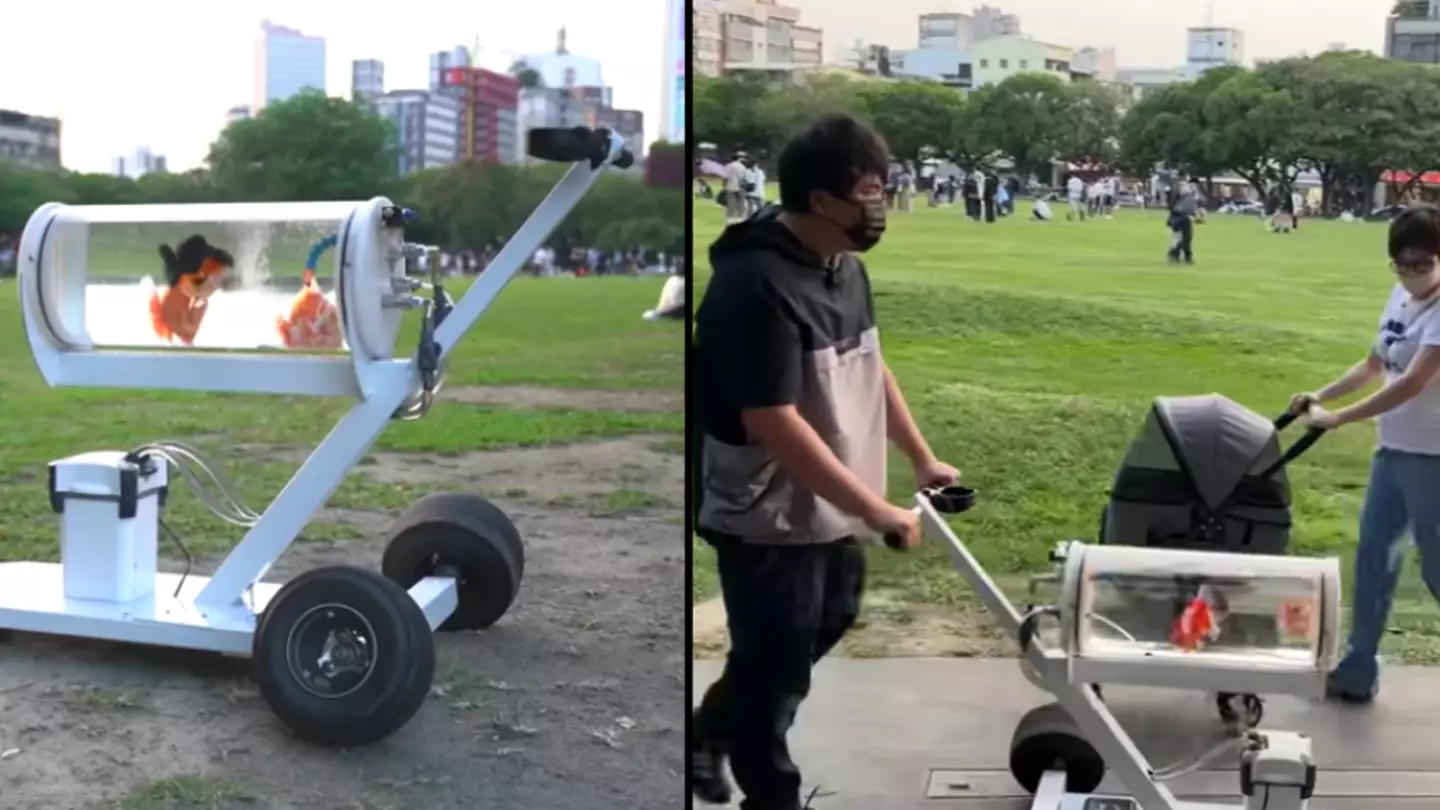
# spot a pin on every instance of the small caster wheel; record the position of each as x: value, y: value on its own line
x: 464, y: 536
x: 1046, y: 740
x: 1252, y: 706
x: 343, y: 656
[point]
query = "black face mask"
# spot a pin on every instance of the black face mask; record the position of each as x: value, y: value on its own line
x: 866, y: 233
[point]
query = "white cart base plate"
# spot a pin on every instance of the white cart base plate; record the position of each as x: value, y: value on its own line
x: 32, y: 600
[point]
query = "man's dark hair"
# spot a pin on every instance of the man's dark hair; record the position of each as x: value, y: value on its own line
x: 831, y: 155
x: 1415, y: 233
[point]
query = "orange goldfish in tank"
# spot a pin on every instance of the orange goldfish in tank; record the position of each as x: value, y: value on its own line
x: 1195, y: 626
x: 193, y: 273
x: 313, y: 320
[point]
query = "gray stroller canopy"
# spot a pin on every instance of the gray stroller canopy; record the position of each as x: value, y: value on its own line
x: 1213, y: 440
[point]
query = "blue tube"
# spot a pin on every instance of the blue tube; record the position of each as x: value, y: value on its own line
x: 319, y: 248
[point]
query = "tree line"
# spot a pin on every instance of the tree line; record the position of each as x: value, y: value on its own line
x: 311, y: 147
x: 1351, y: 117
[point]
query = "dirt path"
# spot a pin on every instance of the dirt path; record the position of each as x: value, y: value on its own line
x: 574, y: 701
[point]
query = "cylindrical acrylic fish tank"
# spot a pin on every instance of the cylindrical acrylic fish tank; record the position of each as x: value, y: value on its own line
x: 203, y: 296
x: 1205, y: 620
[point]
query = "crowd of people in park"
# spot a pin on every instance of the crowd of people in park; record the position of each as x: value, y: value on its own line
x: 565, y: 259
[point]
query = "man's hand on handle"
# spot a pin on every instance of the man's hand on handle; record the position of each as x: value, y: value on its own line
x: 900, y: 527
x: 934, y: 473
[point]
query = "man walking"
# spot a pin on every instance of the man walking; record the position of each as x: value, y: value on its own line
x: 1182, y: 224
x: 737, y: 198
x: 794, y: 404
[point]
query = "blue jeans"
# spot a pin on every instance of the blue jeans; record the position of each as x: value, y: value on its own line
x: 1404, y: 492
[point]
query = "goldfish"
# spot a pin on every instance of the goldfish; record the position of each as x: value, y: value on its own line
x: 193, y: 273
x: 313, y: 320
x: 1196, y: 624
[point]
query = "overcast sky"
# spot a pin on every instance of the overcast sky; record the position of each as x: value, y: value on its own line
x: 162, y: 73
x: 1145, y: 33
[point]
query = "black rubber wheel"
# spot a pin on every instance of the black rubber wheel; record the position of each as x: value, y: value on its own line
x: 466, y: 534
x: 1047, y: 739
x: 343, y: 656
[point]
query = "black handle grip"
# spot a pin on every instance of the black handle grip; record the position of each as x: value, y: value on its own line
x: 1285, y: 420
x: 893, y: 542
x: 575, y: 145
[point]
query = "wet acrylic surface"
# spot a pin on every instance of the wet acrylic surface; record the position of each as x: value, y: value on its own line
x: 253, y: 304
x: 1274, y: 618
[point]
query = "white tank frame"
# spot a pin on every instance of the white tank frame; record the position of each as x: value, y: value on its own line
x: 1053, y: 668
x: 218, y: 613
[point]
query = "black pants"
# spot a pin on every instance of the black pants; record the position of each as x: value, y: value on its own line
x: 1184, y: 248
x: 786, y: 607
x: 989, y: 206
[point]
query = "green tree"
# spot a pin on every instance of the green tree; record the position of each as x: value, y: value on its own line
x: 915, y: 117
x: 309, y: 147
x: 1090, y: 127
x: 1024, y: 116
x: 729, y: 112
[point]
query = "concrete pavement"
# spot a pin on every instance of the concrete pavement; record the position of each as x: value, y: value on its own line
x: 927, y: 734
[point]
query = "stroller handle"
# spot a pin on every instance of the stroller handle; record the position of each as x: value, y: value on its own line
x: 1296, y: 450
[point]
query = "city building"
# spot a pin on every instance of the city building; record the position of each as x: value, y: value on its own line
x: 569, y: 90
x: 442, y: 62
x: 1210, y: 47
x: 489, y: 104
x: 1412, y: 34
x: 991, y: 22
x: 138, y: 164
x: 1143, y: 82
x: 998, y: 58
x: 673, y: 81
x: 240, y: 112
x: 751, y: 35
x: 367, y: 80
x: 872, y: 60
x: 29, y: 141
x: 947, y: 64
x: 427, y: 127
x: 958, y: 30
x: 706, y: 37
x: 286, y: 62
x: 1096, y: 63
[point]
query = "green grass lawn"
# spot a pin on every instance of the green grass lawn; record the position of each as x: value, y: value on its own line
x: 1029, y: 352
x: 556, y: 333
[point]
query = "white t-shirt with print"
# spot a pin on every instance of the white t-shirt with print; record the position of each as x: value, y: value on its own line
x: 1405, y: 326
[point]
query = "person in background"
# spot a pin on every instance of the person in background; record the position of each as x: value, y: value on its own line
x: 906, y: 189
x: 1002, y: 200
x: 757, y: 192
x: 736, y: 201
x: 1075, y: 192
x: 977, y: 176
x: 793, y: 406
x: 1182, y: 223
x: 988, y: 194
x: 971, y: 193
x: 1400, y: 495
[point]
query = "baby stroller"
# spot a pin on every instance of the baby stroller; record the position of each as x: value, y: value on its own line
x: 1208, y: 474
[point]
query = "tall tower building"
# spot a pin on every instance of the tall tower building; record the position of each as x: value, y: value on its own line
x: 286, y: 62
x: 367, y: 80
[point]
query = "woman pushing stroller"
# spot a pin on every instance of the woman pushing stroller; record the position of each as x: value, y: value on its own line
x: 1406, y: 465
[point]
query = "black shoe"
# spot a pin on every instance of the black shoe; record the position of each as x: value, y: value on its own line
x: 1334, y: 691
x: 707, y: 773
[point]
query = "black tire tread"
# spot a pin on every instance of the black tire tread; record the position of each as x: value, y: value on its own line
x: 393, y: 613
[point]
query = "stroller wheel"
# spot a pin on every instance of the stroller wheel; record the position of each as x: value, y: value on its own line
x: 1252, y: 706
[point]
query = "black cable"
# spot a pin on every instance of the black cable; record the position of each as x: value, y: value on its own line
x: 189, y: 559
